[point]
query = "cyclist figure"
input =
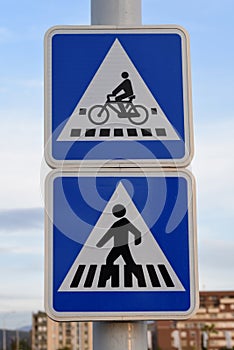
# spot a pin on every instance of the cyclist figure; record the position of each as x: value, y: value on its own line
x: 126, y: 87
x: 121, y: 104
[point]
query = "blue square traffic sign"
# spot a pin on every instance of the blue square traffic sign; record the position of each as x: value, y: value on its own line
x: 120, y: 246
x: 119, y: 95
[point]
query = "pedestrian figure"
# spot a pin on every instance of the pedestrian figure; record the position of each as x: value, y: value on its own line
x: 120, y: 232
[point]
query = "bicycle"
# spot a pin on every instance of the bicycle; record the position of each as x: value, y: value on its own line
x: 137, y: 114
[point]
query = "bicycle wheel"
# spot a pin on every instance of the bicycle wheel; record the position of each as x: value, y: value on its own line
x: 143, y: 115
x: 98, y: 114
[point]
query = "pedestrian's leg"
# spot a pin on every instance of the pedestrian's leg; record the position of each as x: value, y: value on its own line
x: 127, y: 256
x: 119, y: 99
x: 113, y: 255
x: 131, y: 268
x: 110, y: 270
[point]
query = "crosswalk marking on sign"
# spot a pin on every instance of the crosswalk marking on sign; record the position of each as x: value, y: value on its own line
x: 119, y: 133
x: 122, y: 277
x: 152, y: 270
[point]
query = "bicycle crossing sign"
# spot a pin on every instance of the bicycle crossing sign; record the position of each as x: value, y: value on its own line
x: 125, y: 237
x: 119, y: 95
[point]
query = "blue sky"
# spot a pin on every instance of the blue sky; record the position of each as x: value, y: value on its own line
x: 22, y: 27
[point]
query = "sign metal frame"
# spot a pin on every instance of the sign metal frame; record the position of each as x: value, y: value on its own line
x: 125, y: 161
x: 137, y: 315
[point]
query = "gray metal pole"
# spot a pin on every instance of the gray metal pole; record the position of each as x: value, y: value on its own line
x: 116, y: 12
x: 118, y: 335
x: 17, y: 339
x: 4, y: 339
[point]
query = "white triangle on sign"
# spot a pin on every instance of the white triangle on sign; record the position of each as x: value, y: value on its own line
x: 85, y: 272
x: 106, y: 79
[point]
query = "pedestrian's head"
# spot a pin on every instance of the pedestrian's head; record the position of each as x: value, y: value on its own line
x: 125, y: 75
x: 119, y: 210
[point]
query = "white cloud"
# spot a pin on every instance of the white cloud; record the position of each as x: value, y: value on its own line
x: 21, y: 220
x: 17, y: 303
x: 21, y: 269
x: 16, y: 250
x: 213, y: 165
x: 22, y: 293
x: 216, y: 261
x: 21, y: 153
x: 12, y: 319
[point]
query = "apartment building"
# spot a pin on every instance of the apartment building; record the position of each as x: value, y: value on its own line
x: 50, y: 335
x: 211, y: 328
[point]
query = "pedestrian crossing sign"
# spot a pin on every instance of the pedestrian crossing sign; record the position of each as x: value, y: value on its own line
x: 120, y: 95
x: 120, y: 246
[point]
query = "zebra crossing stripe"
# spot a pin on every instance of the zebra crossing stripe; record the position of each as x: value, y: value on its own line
x: 108, y: 272
x: 90, y: 276
x: 118, y: 132
x: 146, y: 132
x: 77, y: 277
x: 165, y: 275
x: 132, y: 132
x: 153, y: 276
x: 90, y: 132
x: 137, y: 271
x: 75, y: 132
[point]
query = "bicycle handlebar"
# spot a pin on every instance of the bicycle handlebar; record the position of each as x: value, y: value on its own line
x: 108, y: 97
